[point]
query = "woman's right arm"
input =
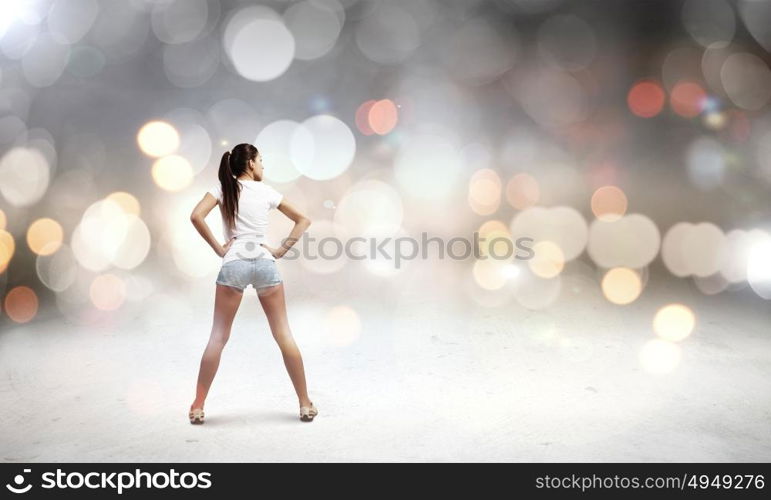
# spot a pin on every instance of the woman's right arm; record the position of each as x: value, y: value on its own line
x: 198, y: 218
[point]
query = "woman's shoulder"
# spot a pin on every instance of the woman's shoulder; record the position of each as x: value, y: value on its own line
x: 216, y: 190
x: 259, y: 185
x: 272, y: 194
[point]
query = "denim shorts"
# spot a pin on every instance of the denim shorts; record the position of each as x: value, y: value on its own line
x: 258, y: 272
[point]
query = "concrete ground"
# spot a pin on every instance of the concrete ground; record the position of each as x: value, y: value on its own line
x: 428, y: 377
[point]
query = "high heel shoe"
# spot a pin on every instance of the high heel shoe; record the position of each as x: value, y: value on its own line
x: 196, y: 416
x: 307, y: 413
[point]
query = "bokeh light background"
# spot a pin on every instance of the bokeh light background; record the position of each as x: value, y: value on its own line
x: 631, y: 140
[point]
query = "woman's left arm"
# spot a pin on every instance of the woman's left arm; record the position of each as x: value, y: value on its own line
x: 198, y: 218
x: 301, y: 223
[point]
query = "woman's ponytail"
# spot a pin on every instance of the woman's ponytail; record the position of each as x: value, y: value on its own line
x: 230, y: 190
x: 232, y: 167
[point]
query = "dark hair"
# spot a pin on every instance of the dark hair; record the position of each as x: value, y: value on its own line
x: 232, y: 165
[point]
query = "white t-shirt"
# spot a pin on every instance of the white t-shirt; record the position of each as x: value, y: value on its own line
x: 251, y: 224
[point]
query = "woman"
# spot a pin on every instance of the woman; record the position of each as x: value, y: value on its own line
x: 244, y: 202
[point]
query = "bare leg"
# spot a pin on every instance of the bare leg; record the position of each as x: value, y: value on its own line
x: 226, y: 304
x: 272, y: 300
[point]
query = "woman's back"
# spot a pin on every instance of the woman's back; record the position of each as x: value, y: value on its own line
x: 251, y: 221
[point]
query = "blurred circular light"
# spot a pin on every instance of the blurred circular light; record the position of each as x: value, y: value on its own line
x: 10, y: 12
x: 382, y: 116
x: 3, y: 220
x: 17, y: 38
x: 757, y: 18
x: 687, y: 99
x: 739, y: 244
x: 621, y: 285
x: 44, y: 236
x: 495, y: 241
x: 522, y: 191
x: 609, y: 203
x: 69, y: 20
x: 195, y: 142
x: 107, y: 292
x: 759, y: 268
x: 709, y: 22
x: 564, y: 227
x: 41, y: 140
x: 631, y: 241
x: 45, y: 61
x: 646, y: 99
x: 7, y: 248
x: 59, y: 270
x: 747, y: 80
x: 158, y: 138
x: 548, y: 260
x: 72, y: 300
x: 98, y: 238
x: 715, y: 120
x: 172, y: 173
x: 315, y: 26
x: 492, y: 227
x: 484, y: 194
x: 179, y: 21
x: 490, y: 274
x: 24, y: 176
x: 712, y: 60
x: 262, y: 49
x: 190, y: 256
x: 362, y: 117
x: 660, y: 356
x: 706, y: 163
x: 672, y: 249
x: 21, y: 304
x: 674, y: 322
x: 704, y: 249
x: 126, y: 201
x: 275, y: 143
x: 135, y: 245
x: 323, y: 147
